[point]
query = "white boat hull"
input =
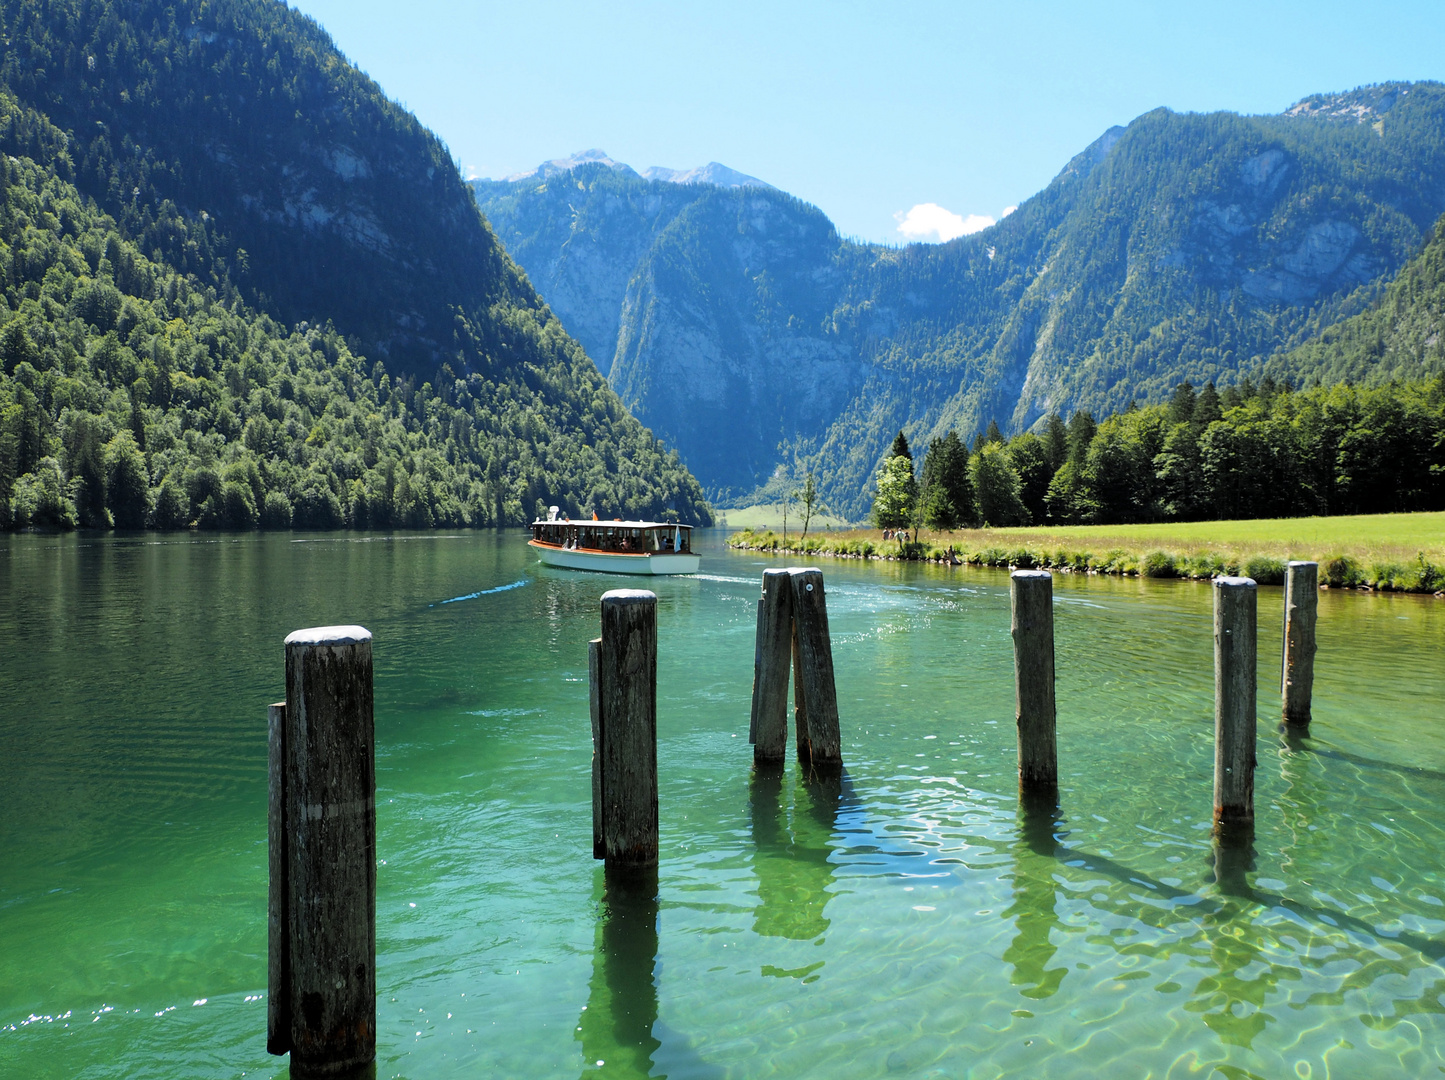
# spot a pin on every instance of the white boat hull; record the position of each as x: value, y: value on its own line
x: 607, y: 562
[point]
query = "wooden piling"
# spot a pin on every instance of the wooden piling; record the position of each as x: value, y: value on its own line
x: 330, y: 850
x: 1031, y: 603
x: 594, y: 702
x: 627, y: 700
x: 770, y: 676
x: 800, y: 707
x: 814, y: 667
x: 757, y: 662
x: 1301, y: 604
x: 278, y: 967
x: 1235, y: 624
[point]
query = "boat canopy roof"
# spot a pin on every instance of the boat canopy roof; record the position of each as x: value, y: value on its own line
x: 614, y: 523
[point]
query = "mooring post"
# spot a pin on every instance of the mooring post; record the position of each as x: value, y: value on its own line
x: 1031, y: 603
x: 594, y: 703
x: 327, y: 941
x: 757, y: 664
x: 1301, y: 606
x: 774, y: 659
x: 815, y: 671
x: 627, y: 700
x: 1235, y: 679
x: 278, y: 956
x: 800, y: 706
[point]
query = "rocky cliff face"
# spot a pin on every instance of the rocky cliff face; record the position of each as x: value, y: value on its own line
x: 737, y: 324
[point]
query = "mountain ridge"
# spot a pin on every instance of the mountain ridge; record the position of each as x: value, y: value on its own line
x: 713, y: 172
x: 227, y: 147
x: 1179, y: 246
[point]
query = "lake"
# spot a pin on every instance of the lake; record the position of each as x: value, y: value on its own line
x: 910, y: 920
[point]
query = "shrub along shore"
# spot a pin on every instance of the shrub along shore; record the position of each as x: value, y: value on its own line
x: 1365, y: 552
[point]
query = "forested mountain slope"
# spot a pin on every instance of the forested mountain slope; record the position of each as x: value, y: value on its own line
x: 1181, y: 247
x: 1402, y: 336
x: 216, y: 171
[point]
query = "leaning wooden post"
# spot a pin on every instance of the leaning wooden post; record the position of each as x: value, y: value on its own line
x: 815, y: 671
x: 1301, y: 604
x: 627, y: 698
x: 1235, y: 678
x: 1031, y: 602
x: 328, y: 952
x: 773, y: 661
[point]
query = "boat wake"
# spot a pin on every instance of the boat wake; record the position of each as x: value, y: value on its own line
x: 484, y: 592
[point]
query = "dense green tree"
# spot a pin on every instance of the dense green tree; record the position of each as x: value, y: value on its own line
x: 947, y: 491
x: 1056, y: 441
x: 1081, y: 433
x: 1070, y: 499
x: 997, y: 489
x: 127, y: 483
x: 1030, y: 459
x: 1181, y: 405
x: 900, y: 448
x: 1207, y: 408
x: 896, y: 501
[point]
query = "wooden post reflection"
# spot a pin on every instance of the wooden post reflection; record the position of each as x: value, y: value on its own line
x: 1231, y: 1006
x: 1035, y: 896
x: 792, y: 859
x: 616, y: 1027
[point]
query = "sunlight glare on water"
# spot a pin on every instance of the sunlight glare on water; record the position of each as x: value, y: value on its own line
x: 912, y: 919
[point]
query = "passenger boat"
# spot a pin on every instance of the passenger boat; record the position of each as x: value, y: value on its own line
x: 615, y: 547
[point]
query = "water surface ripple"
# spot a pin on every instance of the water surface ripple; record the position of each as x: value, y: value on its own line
x: 912, y: 918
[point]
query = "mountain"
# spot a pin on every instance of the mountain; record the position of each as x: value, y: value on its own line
x: 237, y: 249
x: 557, y: 166
x: 745, y: 331
x: 1401, y: 336
x: 712, y: 173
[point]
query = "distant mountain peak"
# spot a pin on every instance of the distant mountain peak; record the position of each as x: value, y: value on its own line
x: 558, y: 166
x: 1364, y: 104
x: 712, y: 173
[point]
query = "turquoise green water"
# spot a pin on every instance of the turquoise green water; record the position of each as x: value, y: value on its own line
x: 910, y: 920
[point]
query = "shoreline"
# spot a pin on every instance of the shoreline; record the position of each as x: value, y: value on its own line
x: 1338, y: 570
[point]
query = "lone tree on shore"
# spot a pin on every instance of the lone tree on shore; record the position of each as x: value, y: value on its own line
x: 897, y: 499
x: 808, y: 496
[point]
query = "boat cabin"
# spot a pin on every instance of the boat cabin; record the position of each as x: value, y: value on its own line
x: 614, y: 537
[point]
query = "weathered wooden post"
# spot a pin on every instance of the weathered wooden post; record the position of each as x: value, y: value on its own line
x: 1235, y: 679
x: 1301, y: 604
x: 814, y: 670
x: 627, y: 729
x: 769, y: 725
x: 324, y: 942
x: 594, y: 702
x: 1031, y: 602
x: 278, y: 954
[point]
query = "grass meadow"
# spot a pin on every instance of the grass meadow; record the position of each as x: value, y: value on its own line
x: 1400, y: 552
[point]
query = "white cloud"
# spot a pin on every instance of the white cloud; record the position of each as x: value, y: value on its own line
x: 927, y: 221
x: 1007, y: 210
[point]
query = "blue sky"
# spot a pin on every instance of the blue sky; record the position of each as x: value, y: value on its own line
x: 921, y: 116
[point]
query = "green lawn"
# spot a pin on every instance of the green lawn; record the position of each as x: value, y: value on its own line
x: 1363, y: 535
x: 1403, y: 552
